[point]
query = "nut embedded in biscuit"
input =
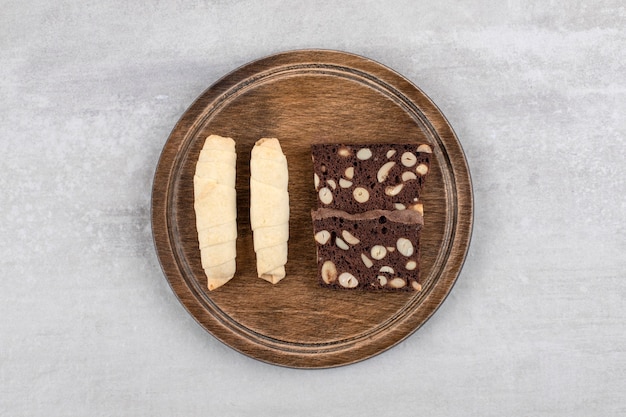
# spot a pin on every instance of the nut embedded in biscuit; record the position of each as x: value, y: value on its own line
x: 344, y: 183
x: 405, y: 247
x: 366, y: 261
x: 329, y: 272
x: 347, y: 280
x: 383, y: 172
x: 364, y: 154
x: 326, y: 196
x: 424, y: 148
x: 361, y: 194
x: 322, y: 237
x: 394, y: 190
x: 378, y: 252
x: 422, y: 169
x: 350, y: 238
x: 397, y: 283
x: 408, y: 159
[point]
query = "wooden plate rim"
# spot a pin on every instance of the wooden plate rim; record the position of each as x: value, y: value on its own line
x: 408, y: 319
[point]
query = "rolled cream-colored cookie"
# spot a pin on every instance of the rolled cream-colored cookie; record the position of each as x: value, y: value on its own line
x: 269, y: 208
x: 215, y: 204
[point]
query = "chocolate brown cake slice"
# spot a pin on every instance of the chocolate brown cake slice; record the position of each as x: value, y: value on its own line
x: 376, y: 250
x: 360, y: 178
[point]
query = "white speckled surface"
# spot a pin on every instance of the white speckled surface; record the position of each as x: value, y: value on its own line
x: 536, y: 92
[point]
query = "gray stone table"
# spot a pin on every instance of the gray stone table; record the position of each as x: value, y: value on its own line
x: 536, y: 92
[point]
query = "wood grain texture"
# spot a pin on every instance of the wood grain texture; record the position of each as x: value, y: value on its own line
x: 302, y: 97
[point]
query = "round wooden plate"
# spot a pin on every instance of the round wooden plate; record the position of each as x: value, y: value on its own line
x: 303, y: 97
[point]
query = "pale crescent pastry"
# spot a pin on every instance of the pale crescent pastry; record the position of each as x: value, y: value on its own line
x: 215, y: 205
x: 216, y: 155
x: 216, y: 171
x: 271, y: 236
x: 217, y: 234
x: 269, y: 208
x: 272, y: 210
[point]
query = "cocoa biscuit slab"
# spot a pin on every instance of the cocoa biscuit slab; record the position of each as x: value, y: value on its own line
x: 375, y: 250
x: 358, y: 178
